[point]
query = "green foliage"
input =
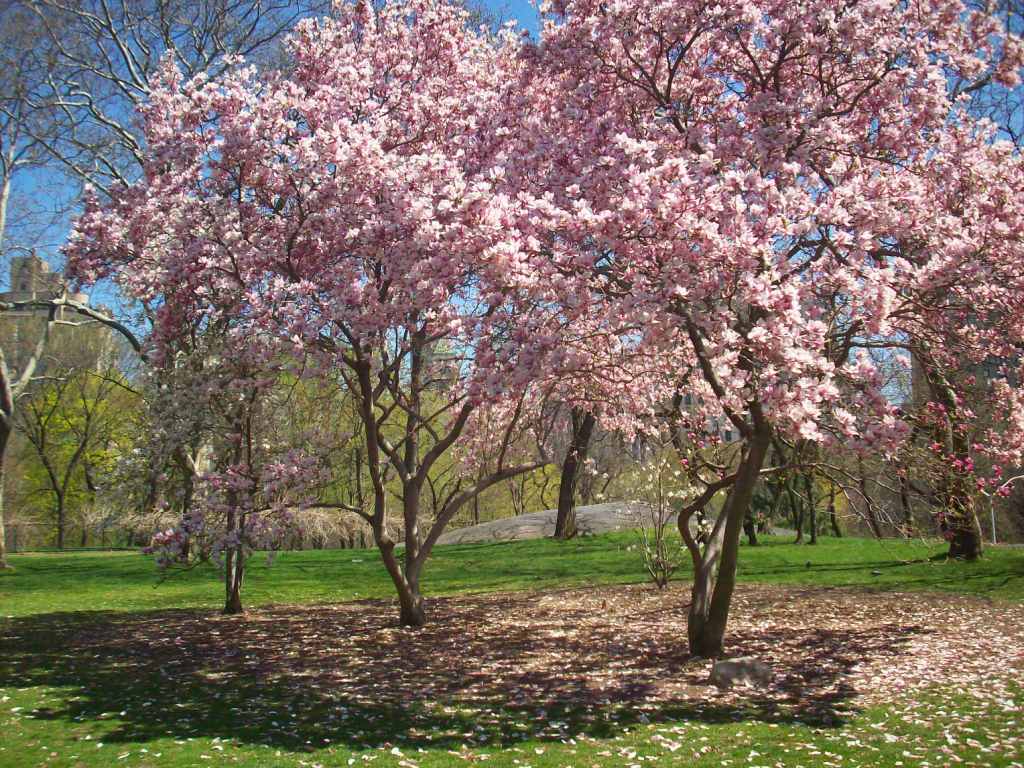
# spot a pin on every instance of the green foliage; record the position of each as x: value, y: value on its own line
x: 73, y: 426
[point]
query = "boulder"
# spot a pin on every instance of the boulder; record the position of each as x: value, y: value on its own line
x: 725, y: 673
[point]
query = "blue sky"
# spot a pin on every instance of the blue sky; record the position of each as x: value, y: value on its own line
x: 520, y: 10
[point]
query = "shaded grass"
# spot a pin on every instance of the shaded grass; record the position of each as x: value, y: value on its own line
x: 682, y: 736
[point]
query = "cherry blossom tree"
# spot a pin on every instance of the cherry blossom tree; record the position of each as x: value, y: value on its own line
x: 776, y: 189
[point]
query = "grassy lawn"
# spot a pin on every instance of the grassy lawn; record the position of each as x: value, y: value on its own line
x: 73, y: 694
x: 44, y: 583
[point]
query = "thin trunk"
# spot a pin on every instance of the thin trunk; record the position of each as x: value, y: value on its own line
x: 797, y: 508
x: 5, y: 434
x: 582, y: 430
x: 832, y: 519
x: 234, y: 561
x: 234, y: 568
x: 187, y: 463
x: 410, y: 613
x: 234, y: 573
x: 712, y: 592
x: 186, y: 513
x: 869, y: 504
x: 812, y: 507
x: 907, y: 510
x: 61, y: 521
x: 5, y: 199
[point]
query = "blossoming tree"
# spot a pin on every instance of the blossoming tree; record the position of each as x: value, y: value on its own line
x: 779, y: 189
x: 347, y: 216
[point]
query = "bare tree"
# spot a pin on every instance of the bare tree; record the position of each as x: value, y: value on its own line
x: 104, y: 56
x: 23, y: 128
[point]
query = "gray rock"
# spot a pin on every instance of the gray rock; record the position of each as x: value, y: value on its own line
x: 725, y: 673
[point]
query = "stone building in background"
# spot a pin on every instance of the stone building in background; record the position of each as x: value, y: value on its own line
x: 31, y: 278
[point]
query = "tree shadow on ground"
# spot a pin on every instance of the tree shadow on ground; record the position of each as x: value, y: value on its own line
x: 490, y: 670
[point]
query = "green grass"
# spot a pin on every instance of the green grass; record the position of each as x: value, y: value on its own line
x: 128, y: 581
x: 99, y: 708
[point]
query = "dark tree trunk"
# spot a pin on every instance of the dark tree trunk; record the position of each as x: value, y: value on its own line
x: 582, y: 430
x: 234, y: 564
x: 186, y: 545
x: 965, y: 544
x: 61, y: 522
x: 959, y: 516
x: 234, y: 572
x: 750, y: 529
x: 832, y: 519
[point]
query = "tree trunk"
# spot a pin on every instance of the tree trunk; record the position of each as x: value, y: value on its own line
x: 905, y: 507
x: 712, y: 592
x: 960, y: 524
x: 404, y: 573
x: 832, y: 520
x: 234, y: 565
x: 411, y: 609
x: 869, y: 505
x: 812, y: 507
x: 797, y: 507
x: 582, y: 430
x: 958, y: 518
x: 965, y: 544
x: 234, y: 572
x: 61, y: 522
x: 4, y: 436
x: 750, y: 529
x: 186, y: 514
